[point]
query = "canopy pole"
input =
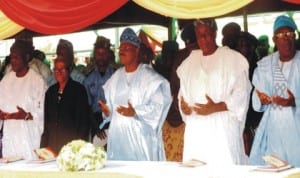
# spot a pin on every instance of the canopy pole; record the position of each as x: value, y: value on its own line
x: 172, y: 30
x: 245, y: 19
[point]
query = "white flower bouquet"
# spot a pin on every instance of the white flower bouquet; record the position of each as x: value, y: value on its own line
x: 79, y: 155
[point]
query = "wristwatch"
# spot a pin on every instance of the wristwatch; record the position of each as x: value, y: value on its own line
x: 28, y: 116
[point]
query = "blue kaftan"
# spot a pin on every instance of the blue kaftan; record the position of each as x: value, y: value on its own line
x: 279, y: 130
x: 93, y: 84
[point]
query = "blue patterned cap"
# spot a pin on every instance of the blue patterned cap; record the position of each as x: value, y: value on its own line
x: 128, y: 35
x: 284, y: 21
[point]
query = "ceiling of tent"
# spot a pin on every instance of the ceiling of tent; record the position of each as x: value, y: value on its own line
x: 132, y: 14
x: 262, y: 6
x: 128, y: 14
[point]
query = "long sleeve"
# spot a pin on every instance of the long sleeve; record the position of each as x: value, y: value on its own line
x: 238, y: 100
x: 82, y: 114
x: 156, y: 108
x: 262, y: 81
x: 37, y: 109
x: 44, y: 139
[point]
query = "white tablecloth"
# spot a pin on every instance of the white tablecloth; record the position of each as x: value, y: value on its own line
x: 144, y: 170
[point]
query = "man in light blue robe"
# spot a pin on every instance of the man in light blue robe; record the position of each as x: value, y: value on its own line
x: 277, y: 85
x: 96, y: 79
x: 137, y: 102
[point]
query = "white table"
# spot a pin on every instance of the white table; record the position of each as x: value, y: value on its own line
x: 126, y: 169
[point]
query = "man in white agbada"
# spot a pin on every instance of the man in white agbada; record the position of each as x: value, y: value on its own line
x: 137, y: 102
x: 277, y: 85
x: 22, y: 104
x: 213, y: 100
x: 35, y: 64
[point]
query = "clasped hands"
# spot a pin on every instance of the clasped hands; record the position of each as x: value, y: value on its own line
x: 125, y: 111
x: 20, y: 114
x: 265, y: 99
x: 202, y: 109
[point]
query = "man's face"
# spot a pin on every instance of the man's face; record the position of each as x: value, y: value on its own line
x: 128, y: 53
x: 284, y: 39
x: 206, y: 39
x: 101, y: 57
x: 17, y: 62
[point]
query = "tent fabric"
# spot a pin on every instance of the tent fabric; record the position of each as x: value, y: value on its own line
x: 8, y: 27
x: 293, y: 1
x: 157, y: 33
x: 63, y: 16
x: 58, y: 16
x: 156, y: 46
x: 188, y: 9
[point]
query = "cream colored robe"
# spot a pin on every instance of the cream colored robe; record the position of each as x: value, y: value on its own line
x: 21, y: 137
x: 223, y: 76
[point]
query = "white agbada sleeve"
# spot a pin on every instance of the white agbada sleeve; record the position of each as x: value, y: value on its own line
x: 239, y: 97
x: 28, y: 93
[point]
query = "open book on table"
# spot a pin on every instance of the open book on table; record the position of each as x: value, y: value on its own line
x: 10, y: 159
x: 45, y: 154
x: 192, y: 163
x: 275, y: 164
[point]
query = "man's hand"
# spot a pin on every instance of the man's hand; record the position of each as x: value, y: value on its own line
x: 101, y: 134
x: 126, y: 111
x: 185, y: 108
x: 264, y: 98
x: 3, y: 115
x: 210, y: 107
x: 104, y: 108
x: 20, y: 114
x: 285, y: 102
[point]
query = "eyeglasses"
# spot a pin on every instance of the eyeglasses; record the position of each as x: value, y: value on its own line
x: 285, y: 34
x: 63, y: 70
x: 126, y: 48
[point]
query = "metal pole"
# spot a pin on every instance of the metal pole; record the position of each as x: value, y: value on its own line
x: 245, y: 20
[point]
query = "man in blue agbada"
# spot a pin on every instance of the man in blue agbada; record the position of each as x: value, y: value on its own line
x: 277, y: 84
x: 96, y: 79
x: 137, y: 102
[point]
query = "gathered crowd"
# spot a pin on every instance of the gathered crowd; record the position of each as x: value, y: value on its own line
x: 238, y: 102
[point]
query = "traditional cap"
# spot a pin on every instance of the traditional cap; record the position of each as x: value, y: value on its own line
x: 284, y: 21
x: 188, y: 34
x: 102, y: 42
x: 128, y: 35
x: 231, y: 28
x: 25, y: 46
x: 208, y: 22
x: 263, y: 38
x: 68, y: 46
x: 65, y: 43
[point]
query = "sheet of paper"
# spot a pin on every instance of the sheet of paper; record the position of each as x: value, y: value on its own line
x: 10, y: 159
x: 273, y: 169
x: 39, y: 161
x: 275, y: 164
x: 274, y: 161
x: 192, y: 163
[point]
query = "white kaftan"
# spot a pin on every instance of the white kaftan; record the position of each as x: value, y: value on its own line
x: 21, y: 137
x: 223, y: 76
x: 139, y: 137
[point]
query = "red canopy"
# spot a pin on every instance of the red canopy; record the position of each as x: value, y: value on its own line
x: 58, y: 16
